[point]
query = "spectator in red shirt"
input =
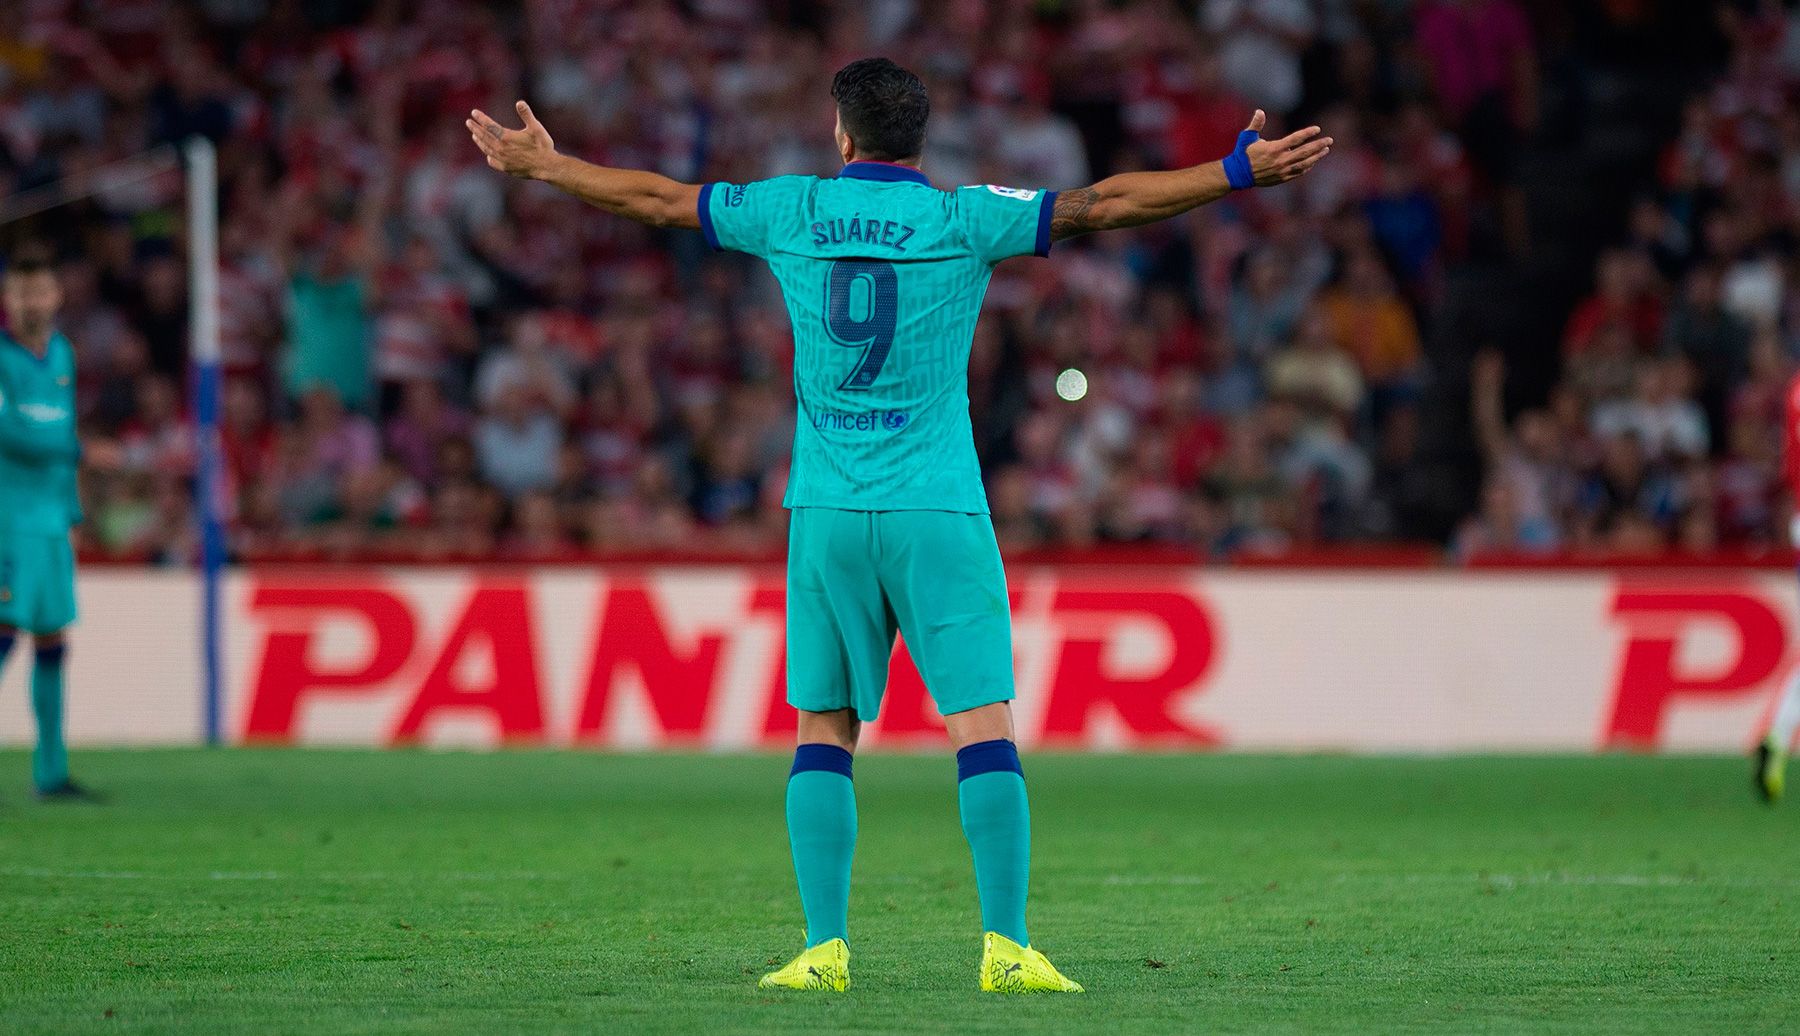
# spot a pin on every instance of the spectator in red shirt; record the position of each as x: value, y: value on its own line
x: 1622, y: 299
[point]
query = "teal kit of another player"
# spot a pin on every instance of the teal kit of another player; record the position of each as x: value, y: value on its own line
x: 39, y: 504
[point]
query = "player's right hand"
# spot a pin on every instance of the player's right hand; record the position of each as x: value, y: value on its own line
x: 1278, y: 161
x: 518, y: 152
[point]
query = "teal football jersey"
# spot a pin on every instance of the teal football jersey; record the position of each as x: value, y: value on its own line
x: 883, y: 276
x: 39, y: 448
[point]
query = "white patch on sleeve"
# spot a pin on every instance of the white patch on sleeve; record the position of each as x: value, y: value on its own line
x: 1019, y: 193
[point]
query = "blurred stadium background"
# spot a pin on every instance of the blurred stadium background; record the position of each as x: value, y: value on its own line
x: 1527, y: 330
x: 428, y: 361
x: 1467, y: 443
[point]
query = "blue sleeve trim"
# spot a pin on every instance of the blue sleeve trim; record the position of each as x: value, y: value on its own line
x: 706, y: 222
x: 1043, y: 233
x: 829, y: 758
x: 997, y: 756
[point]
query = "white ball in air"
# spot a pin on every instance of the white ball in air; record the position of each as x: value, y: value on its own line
x: 1071, y: 385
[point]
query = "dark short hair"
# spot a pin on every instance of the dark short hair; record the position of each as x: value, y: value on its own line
x: 31, y: 257
x: 883, y: 108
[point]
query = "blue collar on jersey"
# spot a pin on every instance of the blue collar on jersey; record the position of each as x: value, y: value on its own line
x: 889, y: 171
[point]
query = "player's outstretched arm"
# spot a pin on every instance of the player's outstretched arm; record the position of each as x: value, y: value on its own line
x: 1133, y: 199
x: 530, y: 154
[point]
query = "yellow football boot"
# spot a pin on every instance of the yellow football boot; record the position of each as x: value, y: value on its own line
x: 1771, y: 771
x: 825, y: 966
x: 1007, y: 967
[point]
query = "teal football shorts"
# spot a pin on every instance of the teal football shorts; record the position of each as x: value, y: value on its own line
x: 37, y: 582
x: 857, y: 577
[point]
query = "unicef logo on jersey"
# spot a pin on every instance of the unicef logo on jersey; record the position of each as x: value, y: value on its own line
x: 43, y: 413
x: 867, y: 421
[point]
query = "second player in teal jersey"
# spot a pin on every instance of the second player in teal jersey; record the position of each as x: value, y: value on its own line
x: 39, y: 452
x: 883, y: 275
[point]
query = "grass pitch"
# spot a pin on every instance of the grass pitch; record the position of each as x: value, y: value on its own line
x: 342, y: 892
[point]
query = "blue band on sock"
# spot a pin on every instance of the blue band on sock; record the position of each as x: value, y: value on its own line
x: 51, y: 654
x: 1237, y: 164
x: 829, y: 758
x: 997, y: 756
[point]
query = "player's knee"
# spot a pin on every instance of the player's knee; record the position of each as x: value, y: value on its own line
x: 49, y: 651
x: 839, y: 727
x: 982, y: 723
x: 57, y: 640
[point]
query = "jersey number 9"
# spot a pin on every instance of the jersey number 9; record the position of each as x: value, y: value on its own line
x: 862, y: 303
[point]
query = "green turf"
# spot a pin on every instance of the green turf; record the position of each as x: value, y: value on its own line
x: 266, y: 891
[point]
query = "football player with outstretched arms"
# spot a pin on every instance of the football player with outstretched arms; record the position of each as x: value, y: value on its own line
x: 883, y: 275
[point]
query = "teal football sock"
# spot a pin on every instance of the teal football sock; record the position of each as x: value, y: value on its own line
x: 996, y: 818
x: 50, y: 759
x: 821, y: 817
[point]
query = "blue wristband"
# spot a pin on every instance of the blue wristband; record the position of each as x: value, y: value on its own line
x: 1237, y: 164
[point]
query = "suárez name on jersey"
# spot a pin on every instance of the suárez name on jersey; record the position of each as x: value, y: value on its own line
x: 857, y: 230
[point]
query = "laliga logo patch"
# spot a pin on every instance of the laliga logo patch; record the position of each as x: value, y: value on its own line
x: 1012, y: 192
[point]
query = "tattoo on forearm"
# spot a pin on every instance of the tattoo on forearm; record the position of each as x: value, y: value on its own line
x: 1071, y: 214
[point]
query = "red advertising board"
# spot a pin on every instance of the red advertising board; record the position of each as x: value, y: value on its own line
x: 1160, y: 657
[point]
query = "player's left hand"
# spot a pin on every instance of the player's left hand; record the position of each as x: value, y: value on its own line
x: 518, y: 152
x: 1278, y: 161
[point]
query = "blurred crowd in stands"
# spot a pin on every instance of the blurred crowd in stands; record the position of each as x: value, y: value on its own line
x: 427, y: 359
x: 1664, y: 430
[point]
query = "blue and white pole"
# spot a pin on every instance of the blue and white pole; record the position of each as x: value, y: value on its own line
x: 203, y: 346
